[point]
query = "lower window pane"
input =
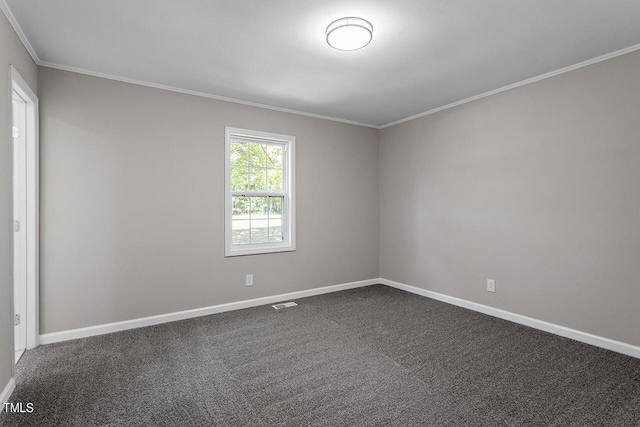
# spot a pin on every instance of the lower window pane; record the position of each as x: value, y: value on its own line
x: 240, y: 207
x: 256, y: 220
x: 275, y: 207
x: 240, y: 232
x: 259, y: 207
x: 259, y: 231
x: 275, y: 230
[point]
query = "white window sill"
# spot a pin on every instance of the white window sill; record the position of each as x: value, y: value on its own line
x: 258, y: 250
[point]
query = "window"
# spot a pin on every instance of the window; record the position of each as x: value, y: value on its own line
x: 259, y: 204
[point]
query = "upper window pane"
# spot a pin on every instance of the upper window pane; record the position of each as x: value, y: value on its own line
x: 239, y: 178
x: 257, y: 179
x: 258, y: 155
x: 239, y: 154
x: 274, y: 180
x: 274, y: 156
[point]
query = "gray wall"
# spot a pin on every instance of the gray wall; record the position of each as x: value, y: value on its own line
x: 12, y: 52
x: 536, y: 187
x: 132, y: 203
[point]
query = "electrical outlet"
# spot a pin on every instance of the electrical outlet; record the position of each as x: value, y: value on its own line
x: 249, y: 280
x: 491, y: 285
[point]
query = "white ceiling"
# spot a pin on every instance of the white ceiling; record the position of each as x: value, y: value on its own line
x: 425, y: 54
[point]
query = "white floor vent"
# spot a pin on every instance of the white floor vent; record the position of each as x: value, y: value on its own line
x: 284, y: 305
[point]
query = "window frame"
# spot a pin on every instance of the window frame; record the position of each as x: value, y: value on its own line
x: 288, y: 193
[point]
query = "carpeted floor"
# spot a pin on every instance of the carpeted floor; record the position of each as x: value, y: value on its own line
x: 373, y: 356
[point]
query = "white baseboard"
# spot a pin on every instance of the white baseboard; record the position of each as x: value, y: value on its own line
x: 6, y: 393
x: 188, y: 314
x: 563, y: 331
x: 598, y: 341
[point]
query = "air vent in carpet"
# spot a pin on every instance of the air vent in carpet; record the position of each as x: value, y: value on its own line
x: 284, y: 305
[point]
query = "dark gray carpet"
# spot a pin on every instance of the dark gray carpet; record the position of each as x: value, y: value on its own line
x: 373, y: 356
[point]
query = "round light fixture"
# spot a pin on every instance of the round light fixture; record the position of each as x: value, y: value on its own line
x: 349, y: 33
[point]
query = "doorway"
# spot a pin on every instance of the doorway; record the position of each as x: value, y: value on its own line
x: 24, y: 115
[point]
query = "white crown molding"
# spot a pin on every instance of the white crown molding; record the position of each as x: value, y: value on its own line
x: 563, y: 331
x: 23, y: 38
x: 336, y: 119
x: 196, y: 93
x: 36, y: 59
x: 6, y: 393
x: 189, y: 314
x: 518, y: 84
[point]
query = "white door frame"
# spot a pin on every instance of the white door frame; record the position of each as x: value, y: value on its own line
x: 33, y: 201
x: 20, y: 217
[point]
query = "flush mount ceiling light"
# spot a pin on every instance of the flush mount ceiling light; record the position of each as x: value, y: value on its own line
x: 349, y: 33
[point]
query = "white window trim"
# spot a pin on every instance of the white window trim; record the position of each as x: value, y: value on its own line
x: 288, y: 211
